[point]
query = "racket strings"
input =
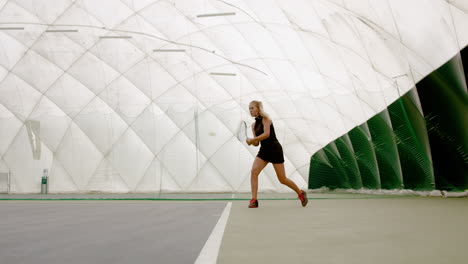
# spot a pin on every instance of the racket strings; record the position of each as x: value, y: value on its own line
x: 242, y: 131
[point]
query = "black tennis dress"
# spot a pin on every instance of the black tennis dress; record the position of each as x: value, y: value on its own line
x: 270, y: 148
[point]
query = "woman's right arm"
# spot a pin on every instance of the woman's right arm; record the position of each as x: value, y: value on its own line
x: 255, y: 143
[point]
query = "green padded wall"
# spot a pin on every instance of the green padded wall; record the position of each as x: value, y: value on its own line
x: 365, y: 156
x: 349, y: 162
x: 419, y: 142
x: 409, y: 128
x: 386, y: 151
x: 444, y: 102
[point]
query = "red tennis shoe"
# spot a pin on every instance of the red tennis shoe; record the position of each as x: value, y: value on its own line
x: 303, y: 198
x: 253, y: 203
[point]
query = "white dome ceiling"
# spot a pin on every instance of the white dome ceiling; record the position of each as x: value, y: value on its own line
x: 146, y: 95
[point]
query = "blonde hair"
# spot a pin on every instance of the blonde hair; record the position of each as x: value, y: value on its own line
x: 259, y: 105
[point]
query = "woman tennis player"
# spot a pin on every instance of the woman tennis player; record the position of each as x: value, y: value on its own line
x: 270, y: 151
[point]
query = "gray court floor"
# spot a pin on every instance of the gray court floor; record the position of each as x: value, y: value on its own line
x: 104, y: 232
x: 392, y: 230
x: 334, y: 228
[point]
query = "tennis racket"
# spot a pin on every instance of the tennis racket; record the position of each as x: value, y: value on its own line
x: 242, y: 131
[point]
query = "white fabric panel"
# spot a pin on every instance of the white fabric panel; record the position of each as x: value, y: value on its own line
x: 200, y: 42
x: 106, y: 179
x: 208, y: 179
x: 155, y: 128
x: 230, y: 41
x: 262, y: 81
x: 267, y: 12
x: 314, y: 82
x: 94, y: 73
x: 341, y: 30
x: 305, y: 18
x: 297, y: 154
x: 291, y: 45
x: 10, y: 126
x: 286, y: 75
x: 165, y: 17
x: 26, y: 37
x: 70, y: 95
x: 13, y: 12
x: 326, y: 61
x: 137, y: 5
x: 41, y: 76
x: 181, y: 112
x: 237, y: 86
x: 388, y: 58
x: 459, y: 11
x: 125, y: 99
x: 131, y: 158
x: 116, y: 116
x: 18, y: 96
x: 59, y: 49
x: 208, y: 132
x: 262, y: 44
x: 2, y: 3
x: 3, y: 73
x: 109, y: 12
x: 119, y: 54
x: 374, y: 12
x: 179, y: 65
x: 147, y: 38
x: 46, y: 10
x: 151, y: 180
x: 206, y: 89
x: 151, y: 78
x: 101, y: 124
x: 78, y: 156
x: 11, y: 52
x: 419, y: 66
x: 168, y: 182
x: 234, y: 167
x: 371, y: 101
x: 75, y: 16
x: 182, y: 149
x: 434, y: 18
x: 59, y: 180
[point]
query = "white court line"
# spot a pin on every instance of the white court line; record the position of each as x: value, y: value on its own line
x: 210, y: 251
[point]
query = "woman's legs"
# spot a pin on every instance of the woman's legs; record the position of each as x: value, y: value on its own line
x: 257, y: 167
x: 281, y: 174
